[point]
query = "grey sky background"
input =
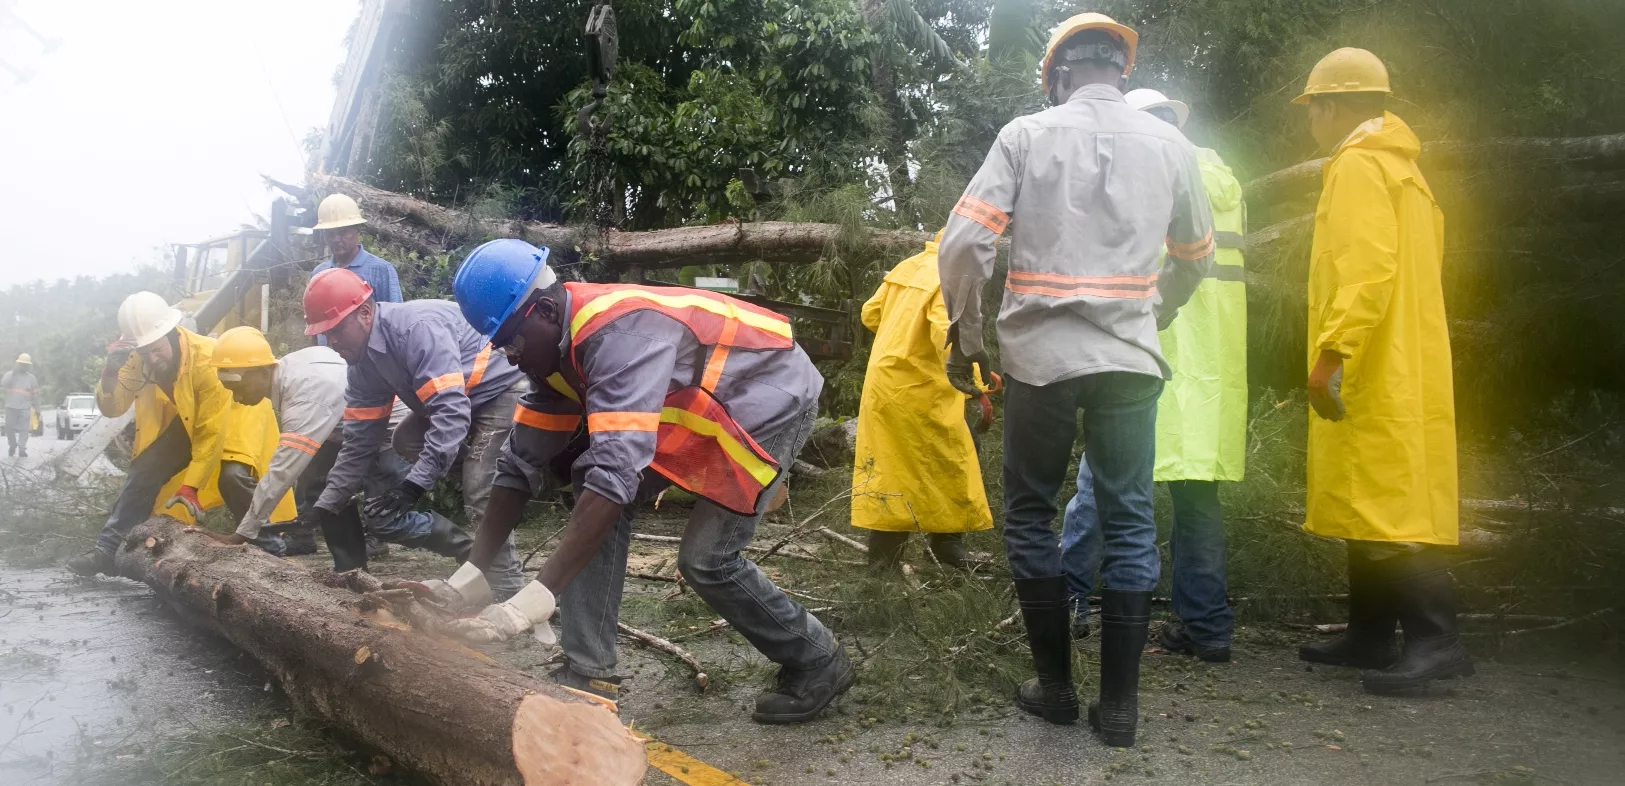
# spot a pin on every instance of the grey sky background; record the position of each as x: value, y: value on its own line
x: 152, y: 122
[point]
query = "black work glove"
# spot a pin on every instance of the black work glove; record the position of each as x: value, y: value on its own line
x: 397, y: 501
x: 962, y: 375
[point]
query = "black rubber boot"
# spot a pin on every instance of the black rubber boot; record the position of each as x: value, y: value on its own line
x: 91, y: 563
x: 298, y: 542
x: 1048, y: 615
x: 345, y: 539
x: 886, y: 550
x: 949, y: 549
x: 799, y: 695
x: 1426, y: 598
x: 447, y: 539
x: 1369, y: 641
x: 1125, y: 619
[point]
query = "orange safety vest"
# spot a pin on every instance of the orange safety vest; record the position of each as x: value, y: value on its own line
x: 699, y: 447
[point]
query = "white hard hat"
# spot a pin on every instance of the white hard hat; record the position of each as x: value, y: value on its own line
x: 337, y: 211
x: 24, y: 358
x: 145, y: 317
x: 1145, y: 99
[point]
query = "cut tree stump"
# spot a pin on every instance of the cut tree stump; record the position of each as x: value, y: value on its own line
x: 433, y: 706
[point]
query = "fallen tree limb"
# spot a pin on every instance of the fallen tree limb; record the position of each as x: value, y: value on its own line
x: 700, y: 677
x: 435, y: 707
x: 842, y: 539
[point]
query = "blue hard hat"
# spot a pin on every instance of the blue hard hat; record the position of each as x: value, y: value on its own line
x: 495, y: 279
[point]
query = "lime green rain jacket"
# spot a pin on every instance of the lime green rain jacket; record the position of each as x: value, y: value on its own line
x: 1202, y: 415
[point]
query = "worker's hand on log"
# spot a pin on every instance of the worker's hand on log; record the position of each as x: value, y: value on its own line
x: 962, y: 371
x: 226, y: 540
x: 530, y: 609
x: 1326, y: 386
x: 466, y: 589
x: 396, y: 501
x: 186, y: 496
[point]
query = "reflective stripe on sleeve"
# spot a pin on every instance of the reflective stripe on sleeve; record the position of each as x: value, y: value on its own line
x: 442, y: 382
x: 623, y: 421
x: 1193, y: 250
x: 478, y: 372
x: 299, y: 442
x: 368, y: 413
x: 544, y: 420
x: 983, y: 213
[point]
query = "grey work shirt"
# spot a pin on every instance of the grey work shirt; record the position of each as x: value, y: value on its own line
x: 425, y: 354
x: 629, y: 366
x: 307, y: 392
x: 1096, y: 190
x: 21, y: 389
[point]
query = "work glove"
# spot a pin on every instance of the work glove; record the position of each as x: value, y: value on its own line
x: 395, y: 502
x: 528, y: 610
x: 186, y: 495
x: 466, y: 589
x: 118, y: 353
x: 1326, y: 387
x: 962, y: 371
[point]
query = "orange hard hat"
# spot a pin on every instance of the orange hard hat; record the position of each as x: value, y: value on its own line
x: 330, y: 297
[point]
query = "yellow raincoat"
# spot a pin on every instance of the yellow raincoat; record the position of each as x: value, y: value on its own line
x: 915, y: 466
x: 1387, y: 471
x: 220, y: 428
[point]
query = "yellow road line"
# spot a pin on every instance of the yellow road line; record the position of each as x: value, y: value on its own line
x: 684, y: 767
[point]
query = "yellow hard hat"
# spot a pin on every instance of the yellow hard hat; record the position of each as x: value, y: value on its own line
x: 337, y: 211
x: 1089, y: 21
x: 24, y: 358
x: 1347, y: 70
x: 243, y: 347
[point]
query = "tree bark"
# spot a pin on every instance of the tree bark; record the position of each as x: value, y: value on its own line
x: 433, y: 706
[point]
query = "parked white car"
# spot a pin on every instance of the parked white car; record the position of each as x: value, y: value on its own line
x: 75, y: 415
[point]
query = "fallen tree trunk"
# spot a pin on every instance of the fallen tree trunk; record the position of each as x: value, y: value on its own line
x: 433, y: 706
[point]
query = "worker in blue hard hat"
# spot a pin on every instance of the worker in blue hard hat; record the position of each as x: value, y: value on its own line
x: 655, y: 386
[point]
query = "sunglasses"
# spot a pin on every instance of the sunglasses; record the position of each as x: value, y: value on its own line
x: 513, y: 346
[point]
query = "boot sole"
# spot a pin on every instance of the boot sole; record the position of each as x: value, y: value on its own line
x: 780, y: 719
x: 1310, y: 656
x: 1452, y: 671
x: 1060, y: 716
x: 1112, y: 739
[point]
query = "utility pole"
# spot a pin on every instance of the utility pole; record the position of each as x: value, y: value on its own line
x: 10, y: 19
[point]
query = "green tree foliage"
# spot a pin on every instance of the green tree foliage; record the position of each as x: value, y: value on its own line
x: 66, y: 327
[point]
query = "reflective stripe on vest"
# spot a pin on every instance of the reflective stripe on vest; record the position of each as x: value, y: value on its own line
x: 699, y: 447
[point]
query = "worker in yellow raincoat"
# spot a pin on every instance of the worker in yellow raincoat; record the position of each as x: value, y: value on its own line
x: 1382, y: 438
x: 915, y: 466
x: 194, y: 447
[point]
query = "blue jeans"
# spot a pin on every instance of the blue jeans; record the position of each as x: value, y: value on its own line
x: 1196, y: 545
x: 709, y: 560
x: 1119, y: 437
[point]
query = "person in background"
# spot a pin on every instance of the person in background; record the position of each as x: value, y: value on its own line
x: 1201, y: 427
x: 674, y: 387
x: 306, y: 389
x: 1382, y: 439
x: 462, y: 399
x: 22, y: 398
x: 194, y: 447
x: 1095, y: 190
x: 915, y: 466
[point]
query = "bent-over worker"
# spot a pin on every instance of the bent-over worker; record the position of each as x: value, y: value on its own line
x: 194, y: 447
x: 1095, y: 189
x: 461, y: 396
x: 306, y: 390
x: 673, y: 386
x: 1382, y: 439
x: 914, y: 466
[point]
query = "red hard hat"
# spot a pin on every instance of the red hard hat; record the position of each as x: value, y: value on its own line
x: 330, y: 297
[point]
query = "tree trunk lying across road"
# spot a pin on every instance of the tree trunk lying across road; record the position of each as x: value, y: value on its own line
x: 435, y: 707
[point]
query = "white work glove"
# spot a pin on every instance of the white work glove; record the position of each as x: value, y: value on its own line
x: 466, y: 589
x: 529, y: 609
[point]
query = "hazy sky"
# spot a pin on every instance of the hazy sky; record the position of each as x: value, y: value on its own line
x: 152, y: 122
